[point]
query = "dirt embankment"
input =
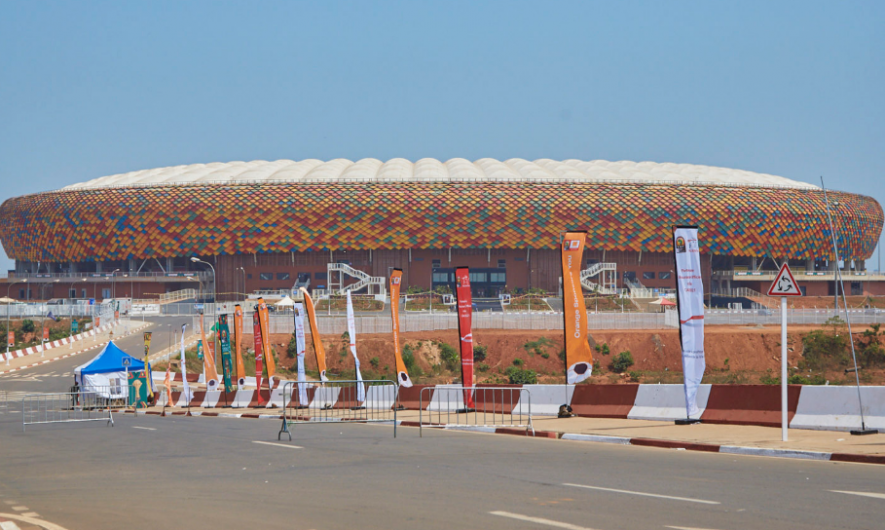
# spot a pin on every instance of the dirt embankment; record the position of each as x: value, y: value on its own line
x: 750, y: 351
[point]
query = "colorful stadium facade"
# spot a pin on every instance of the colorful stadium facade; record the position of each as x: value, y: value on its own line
x: 265, y: 224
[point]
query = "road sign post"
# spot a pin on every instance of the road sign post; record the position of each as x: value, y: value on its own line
x: 784, y: 285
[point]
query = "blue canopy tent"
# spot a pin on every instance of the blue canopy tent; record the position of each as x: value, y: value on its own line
x: 106, y: 373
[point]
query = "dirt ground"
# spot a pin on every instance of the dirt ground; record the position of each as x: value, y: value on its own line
x: 824, y: 302
x: 734, y: 354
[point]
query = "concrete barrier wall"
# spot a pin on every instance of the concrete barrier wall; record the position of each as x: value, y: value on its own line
x: 604, y: 401
x: 749, y: 404
x: 665, y: 402
x: 836, y: 408
x: 546, y: 399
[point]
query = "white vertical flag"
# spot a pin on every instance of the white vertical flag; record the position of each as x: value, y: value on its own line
x: 187, y: 389
x: 351, y: 333
x: 300, y: 347
x: 690, y: 302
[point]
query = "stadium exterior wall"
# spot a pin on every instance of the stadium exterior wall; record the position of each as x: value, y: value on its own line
x: 227, y: 219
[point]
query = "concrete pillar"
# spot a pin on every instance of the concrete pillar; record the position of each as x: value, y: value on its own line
x: 169, y: 264
x: 133, y: 265
x: 73, y: 267
x: 753, y: 264
x: 97, y: 266
x: 809, y: 265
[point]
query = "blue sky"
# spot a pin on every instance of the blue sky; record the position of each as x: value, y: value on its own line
x: 789, y: 88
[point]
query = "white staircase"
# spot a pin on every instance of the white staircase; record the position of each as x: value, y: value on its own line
x: 374, y: 284
x: 607, y: 285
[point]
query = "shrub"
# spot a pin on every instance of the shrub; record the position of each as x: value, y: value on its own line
x: 818, y: 347
x: 537, y: 346
x: 375, y: 362
x: 603, y: 349
x: 292, y: 347
x: 28, y: 326
x: 545, y: 355
x: 562, y: 355
x: 409, y: 360
x: 622, y: 361
x: 517, y: 362
x: 521, y: 376
x: 482, y: 368
x: 448, y: 355
x: 479, y: 352
x: 597, y: 367
x: 634, y: 376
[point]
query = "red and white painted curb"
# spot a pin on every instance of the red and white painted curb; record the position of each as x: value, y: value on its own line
x: 65, y: 356
x: 57, y: 343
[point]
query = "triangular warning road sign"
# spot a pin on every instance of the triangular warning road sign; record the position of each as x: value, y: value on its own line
x: 784, y: 284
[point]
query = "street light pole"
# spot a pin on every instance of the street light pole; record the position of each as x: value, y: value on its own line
x: 214, y: 287
x: 7, y: 317
x: 71, y: 333
x: 244, y: 282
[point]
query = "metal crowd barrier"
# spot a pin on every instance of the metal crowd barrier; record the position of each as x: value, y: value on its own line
x: 66, y: 407
x: 336, y: 401
x: 493, y: 407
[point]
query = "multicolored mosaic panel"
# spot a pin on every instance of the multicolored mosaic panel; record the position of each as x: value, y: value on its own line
x: 141, y: 222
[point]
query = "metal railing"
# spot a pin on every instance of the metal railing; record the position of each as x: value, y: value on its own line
x: 335, y: 401
x: 494, y: 407
x: 66, y: 407
x: 106, y: 276
x: 854, y: 275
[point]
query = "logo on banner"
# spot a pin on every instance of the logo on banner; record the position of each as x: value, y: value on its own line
x: 395, y: 280
x: 784, y: 284
x: 572, y: 244
x: 680, y: 244
x: 467, y: 338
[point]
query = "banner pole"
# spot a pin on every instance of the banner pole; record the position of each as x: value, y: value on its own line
x: 784, y: 423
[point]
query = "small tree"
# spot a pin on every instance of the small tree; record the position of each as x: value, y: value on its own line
x: 28, y: 326
x: 622, y: 362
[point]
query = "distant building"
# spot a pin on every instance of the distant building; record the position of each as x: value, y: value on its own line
x: 266, y: 225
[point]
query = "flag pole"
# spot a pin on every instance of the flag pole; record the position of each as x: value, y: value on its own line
x: 863, y: 430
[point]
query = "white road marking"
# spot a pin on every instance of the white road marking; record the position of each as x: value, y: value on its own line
x: 278, y: 445
x: 143, y: 428
x: 31, y: 514
x: 33, y: 521
x: 687, y: 528
x: 9, y: 525
x: 642, y: 494
x: 20, y: 508
x: 862, y: 494
x: 539, y: 520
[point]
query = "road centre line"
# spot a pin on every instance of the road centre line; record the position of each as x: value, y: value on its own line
x: 143, y: 428
x: 642, y: 494
x: 861, y: 494
x: 539, y: 520
x: 278, y: 445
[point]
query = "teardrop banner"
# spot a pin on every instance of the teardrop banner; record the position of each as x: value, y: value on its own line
x: 578, y: 354
x: 315, y: 335
x: 351, y: 336
x: 263, y: 316
x: 690, y: 306
x: 259, y: 355
x: 402, y: 374
x: 210, y: 372
x: 224, y: 342
x: 238, y: 339
x: 300, y: 348
x: 465, y: 332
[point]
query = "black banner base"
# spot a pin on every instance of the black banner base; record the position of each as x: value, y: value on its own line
x: 399, y: 407
x: 864, y: 432
x: 464, y: 411
x: 357, y: 408
x: 687, y: 422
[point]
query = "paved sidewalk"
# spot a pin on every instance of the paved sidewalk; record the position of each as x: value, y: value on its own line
x: 99, y: 339
x: 737, y: 439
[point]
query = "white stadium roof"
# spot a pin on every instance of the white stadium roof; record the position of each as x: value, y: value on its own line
x: 432, y: 170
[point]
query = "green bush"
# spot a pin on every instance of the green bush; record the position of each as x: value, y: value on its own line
x: 292, y: 347
x: 517, y: 362
x: 634, y: 376
x: 597, y: 367
x: 818, y: 347
x: 537, y: 346
x: 480, y: 352
x: 482, y: 368
x: 870, y: 351
x: 521, y: 376
x: 622, y: 362
x: 448, y: 355
x: 409, y: 360
x: 28, y: 326
x: 375, y: 362
x: 545, y: 355
x: 603, y: 349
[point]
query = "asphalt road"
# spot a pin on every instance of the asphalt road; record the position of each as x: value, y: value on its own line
x: 176, y: 472
x: 58, y: 375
